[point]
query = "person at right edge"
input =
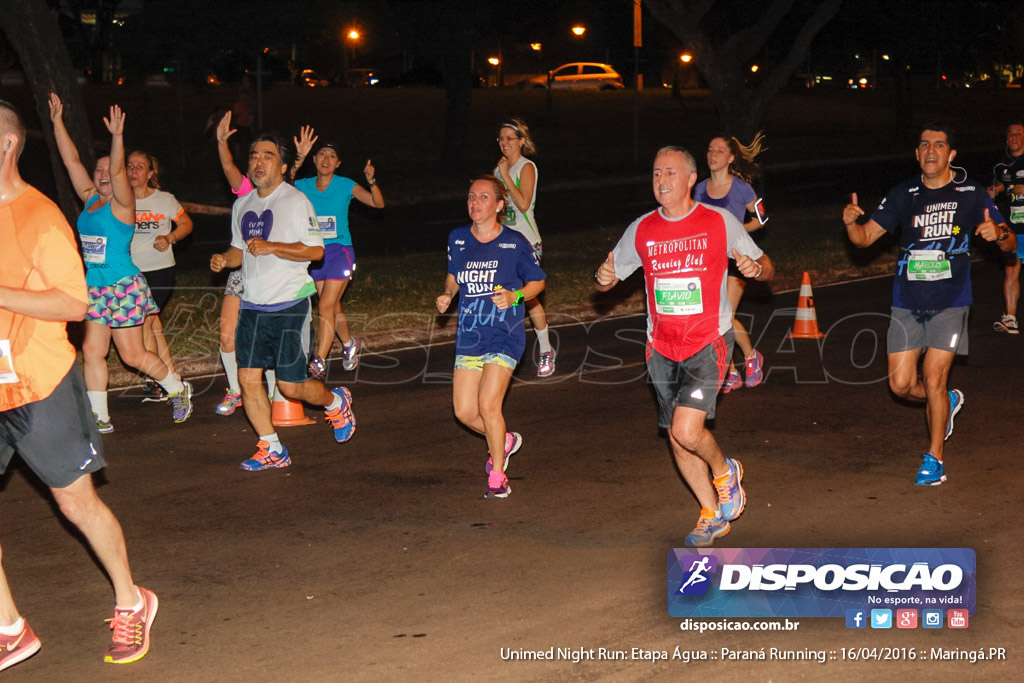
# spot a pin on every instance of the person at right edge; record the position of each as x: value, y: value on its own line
x: 44, y: 414
x: 933, y: 215
x: 1008, y: 182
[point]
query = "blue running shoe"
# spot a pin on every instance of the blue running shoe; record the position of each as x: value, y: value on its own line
x: 265, y: 459
x: 342, y: 419
x: 956, y: 402
x: 932, y: 473
x: 731, y: 497
x: 709, y: 527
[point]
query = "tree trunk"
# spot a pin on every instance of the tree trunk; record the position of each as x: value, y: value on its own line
x: 458, y: 98
x: 32, y: 28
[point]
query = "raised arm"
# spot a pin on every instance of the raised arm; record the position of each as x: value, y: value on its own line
x: 123, y: 206
x: 862, y: 235
x: 81, y: 179
x: 227, y: 163
x: 372, y: 197
x: 303, y: 145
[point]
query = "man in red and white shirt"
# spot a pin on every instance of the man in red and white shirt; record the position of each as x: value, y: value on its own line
x: 684, y: 249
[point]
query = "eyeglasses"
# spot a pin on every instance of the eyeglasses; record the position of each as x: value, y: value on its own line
x: 509, y: 138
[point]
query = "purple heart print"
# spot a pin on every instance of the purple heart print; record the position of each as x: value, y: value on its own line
x: 257, y: 226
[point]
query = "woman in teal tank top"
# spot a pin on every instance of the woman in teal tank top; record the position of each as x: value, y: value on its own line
x: 119, y: 298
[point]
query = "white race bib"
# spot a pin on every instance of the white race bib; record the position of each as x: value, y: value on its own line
x: 678, y: 296
x: 94, y: 248
x: 1017, y: 214
x: 927, y: 265
x: 328, y: 226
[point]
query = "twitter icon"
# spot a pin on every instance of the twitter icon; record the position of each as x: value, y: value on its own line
x: 881, y: 618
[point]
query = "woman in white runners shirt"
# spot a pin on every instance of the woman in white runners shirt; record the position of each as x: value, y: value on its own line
x: 160, y: 223
x: 519, y: 176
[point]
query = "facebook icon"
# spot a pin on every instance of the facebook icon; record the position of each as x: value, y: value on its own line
x: 856, y: 618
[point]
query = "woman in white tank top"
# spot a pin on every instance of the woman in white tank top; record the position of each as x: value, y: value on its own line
x: 519, y: 176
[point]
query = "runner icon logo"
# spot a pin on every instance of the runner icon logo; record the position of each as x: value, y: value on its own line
x: 696, y: 580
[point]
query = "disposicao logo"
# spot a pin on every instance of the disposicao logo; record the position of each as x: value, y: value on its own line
x: 697, y: 579
x: 818, y: 582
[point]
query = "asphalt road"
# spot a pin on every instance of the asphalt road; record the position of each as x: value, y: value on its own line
x: 379, y: 559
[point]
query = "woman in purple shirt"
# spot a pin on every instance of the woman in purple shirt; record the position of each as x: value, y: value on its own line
x: 732, y: 168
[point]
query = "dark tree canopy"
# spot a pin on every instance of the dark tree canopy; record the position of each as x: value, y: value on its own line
x: 724, y: 41
x: 33, y: 30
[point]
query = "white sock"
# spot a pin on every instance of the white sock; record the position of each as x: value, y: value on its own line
x: 274, y: 441
x: 98, y: 401
x: 134, y: 608
x: 271, y: 380
x: 231, y: 370
x: 171, y: 384
x: 543, y: 340
x: 349, y: 343
x: 335, y: 404
x: 14, y: 629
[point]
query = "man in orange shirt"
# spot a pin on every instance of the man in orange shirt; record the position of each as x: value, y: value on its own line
x: 44, y: 414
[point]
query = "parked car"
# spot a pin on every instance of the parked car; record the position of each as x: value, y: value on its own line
x: 311, y: 79
x: 580, y: 75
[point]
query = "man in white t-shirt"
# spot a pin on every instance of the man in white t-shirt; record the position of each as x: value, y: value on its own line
x: 274, y: 237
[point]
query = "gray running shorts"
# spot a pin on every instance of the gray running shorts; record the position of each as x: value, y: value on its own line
x: 692, y: 383
x: 944, y: 329
x: 57, y: 436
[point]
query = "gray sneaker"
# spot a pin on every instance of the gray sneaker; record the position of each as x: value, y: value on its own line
x: 1007, y: 324
x: 181, y: 403
x: 103, y: 426
x: 350, y: 355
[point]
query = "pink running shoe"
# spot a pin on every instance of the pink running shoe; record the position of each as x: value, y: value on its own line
x: 513, y: 442
x: 131, y: 631
x: 16, y: 649
x: 755, y: 369
x: 732, y: 381
x: 546, y: 366
x: 230, y: 404
x: 497, y: 485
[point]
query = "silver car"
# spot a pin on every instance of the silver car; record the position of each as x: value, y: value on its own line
x: 577, y: 75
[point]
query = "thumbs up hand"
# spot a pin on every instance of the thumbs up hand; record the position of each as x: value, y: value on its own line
x: 604, y: 276
x: 852, y: 211
x: 988, y: 230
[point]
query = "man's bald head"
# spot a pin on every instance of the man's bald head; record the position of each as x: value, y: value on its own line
x: 11, y: 124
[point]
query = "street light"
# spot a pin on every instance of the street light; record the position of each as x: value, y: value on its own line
x: 686, y: 58
x: 535, y: 47
x: 579, y: 30
x: 352, y: 36
x: 493, y: 61
x: 754, y: 68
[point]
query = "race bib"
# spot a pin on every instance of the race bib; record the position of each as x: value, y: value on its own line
x: 926, y: 265
x: 1017, y: 214
x: 94, y: 248
x: 328, y: 226
x: 7, y: 374
x: 678, y: 296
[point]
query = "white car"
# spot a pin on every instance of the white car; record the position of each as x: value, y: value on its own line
x: 580, y: 75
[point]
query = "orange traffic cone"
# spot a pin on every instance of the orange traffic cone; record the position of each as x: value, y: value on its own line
x: 806, y: 324
x: 288, y: 413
